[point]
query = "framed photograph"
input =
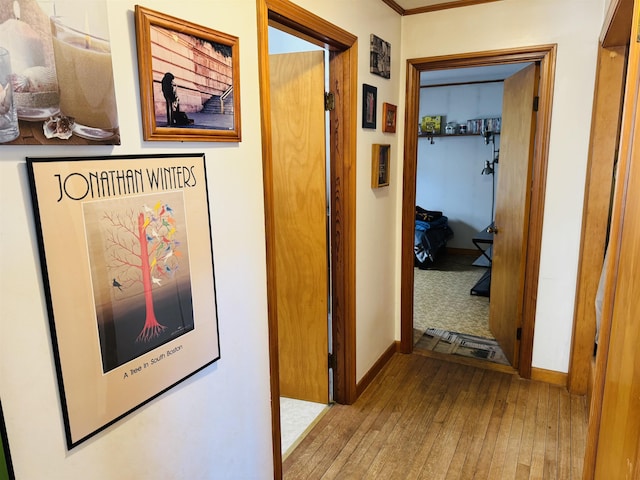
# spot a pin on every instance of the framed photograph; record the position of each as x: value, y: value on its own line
x: 380, y: 165
x: 389, y: 117
x: 369, y: 103
x: 57, y: 69
x: 127, y: 261
x: 189, y: 80
x: 380, y: 57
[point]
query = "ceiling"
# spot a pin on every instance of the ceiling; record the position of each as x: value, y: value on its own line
x: 470, y: 74
x: 460, y: 75
x: 410, y: 7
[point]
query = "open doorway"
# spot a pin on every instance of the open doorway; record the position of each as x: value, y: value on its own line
x: 298, y: 80
x: 342, y: 48
x: 518, y: 326
x: 459, y: 131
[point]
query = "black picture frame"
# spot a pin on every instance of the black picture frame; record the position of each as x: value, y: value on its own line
x: 369, y: 106
x: 131, y: 310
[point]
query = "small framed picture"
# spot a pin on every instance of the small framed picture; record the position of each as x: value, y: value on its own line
x: 189, y: 80
x: 380, y: 63
x: 369, y: 102
x: 389, y: 118
x: 380, y: 165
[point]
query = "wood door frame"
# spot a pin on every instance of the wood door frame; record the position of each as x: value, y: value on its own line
x: 603, y: 145
x: 616, y: 32
x: 343, y: 65
x: 603, y: 148
x: 546, y: 55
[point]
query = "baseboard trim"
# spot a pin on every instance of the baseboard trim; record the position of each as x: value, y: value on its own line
x: 549, y: 376
x: 376, y: 368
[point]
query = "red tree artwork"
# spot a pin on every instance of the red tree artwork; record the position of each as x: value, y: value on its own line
x: 141, y: 248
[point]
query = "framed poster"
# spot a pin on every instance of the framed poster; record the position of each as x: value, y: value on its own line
x: 380, y: 57
x: 369, y: 104
x: 189, y: 80
x: 380, y: 165
x: 389, y: 117
x: 127, y: 262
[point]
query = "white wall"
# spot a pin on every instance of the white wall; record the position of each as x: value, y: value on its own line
x: 574, y: 25
x: 448, y: 176
x: 217, y: 423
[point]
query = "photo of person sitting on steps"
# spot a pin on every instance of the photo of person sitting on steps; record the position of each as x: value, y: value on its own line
x: 174, y: 116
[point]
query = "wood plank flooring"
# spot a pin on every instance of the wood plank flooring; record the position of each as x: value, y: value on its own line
x: 424, y: 418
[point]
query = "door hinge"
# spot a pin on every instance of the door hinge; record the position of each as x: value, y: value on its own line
x: 329, y: 101
x: 332, y: 361
x: 536, y: 101
x: 518, y: 333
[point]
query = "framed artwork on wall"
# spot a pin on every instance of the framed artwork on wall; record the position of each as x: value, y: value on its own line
x: 56, y: 74
x: 380, y: 57
x: 369, y: 106
x: 129, y: 286
x: 6, y: 467
x: 389, y: 117
x: 380, y: 165
x: 189, y: 80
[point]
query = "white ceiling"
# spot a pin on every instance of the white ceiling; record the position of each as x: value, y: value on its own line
x: 471, y: 74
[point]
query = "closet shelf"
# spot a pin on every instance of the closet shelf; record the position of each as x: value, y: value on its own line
x: 438, y: 135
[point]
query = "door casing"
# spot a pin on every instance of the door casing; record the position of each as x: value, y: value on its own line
x: 343, y: 67
x: 546, y: 56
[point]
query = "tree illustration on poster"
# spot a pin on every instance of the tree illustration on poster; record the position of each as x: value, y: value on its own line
x: 139, y: 260
x: 157, y: 257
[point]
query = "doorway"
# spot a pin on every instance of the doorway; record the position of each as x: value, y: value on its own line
x: 342, y: 48
x: 544, y: 55
x: 457, y: 171
x: 299, y: 164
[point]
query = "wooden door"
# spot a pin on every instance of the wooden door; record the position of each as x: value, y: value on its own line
x: 300, y: 218
x: 512, y: 209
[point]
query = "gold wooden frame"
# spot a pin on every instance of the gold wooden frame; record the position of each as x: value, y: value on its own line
x: 380, y: 160
x: 217, y: 126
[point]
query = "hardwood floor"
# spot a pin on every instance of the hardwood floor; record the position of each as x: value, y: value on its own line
x: 424, y: 418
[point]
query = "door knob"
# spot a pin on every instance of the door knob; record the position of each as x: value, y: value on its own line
x: 492, y: 229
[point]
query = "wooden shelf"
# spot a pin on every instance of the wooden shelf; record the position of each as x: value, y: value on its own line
x: 439, y: 135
